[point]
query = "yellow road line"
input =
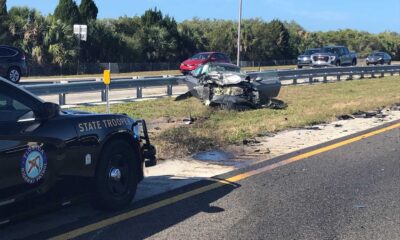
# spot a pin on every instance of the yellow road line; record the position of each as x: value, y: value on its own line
x: 217, y: 184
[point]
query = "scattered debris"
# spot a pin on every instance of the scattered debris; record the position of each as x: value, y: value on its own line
x: 213, y: 156
x: 338, y: 125
x: 266, y: 134
x: 345, y: 117
x: 276, y: 104
x: 251, y: 141
x: 364, y: 114
x: 157, y: 128
x: 189, y: 120
x: 359, y: 206
x: 266, y: 151
x: 395, y: 107
x: 312, y: 128
x: 170, y: 120
x: 377, y: 113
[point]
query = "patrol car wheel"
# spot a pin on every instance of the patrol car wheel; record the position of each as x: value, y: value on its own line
x: 116, y: 177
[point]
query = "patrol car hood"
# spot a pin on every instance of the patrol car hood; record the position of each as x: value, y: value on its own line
x: 75, y: 112
x: 83, y: 114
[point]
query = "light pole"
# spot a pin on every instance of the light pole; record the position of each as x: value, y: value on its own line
x: 238, y: 39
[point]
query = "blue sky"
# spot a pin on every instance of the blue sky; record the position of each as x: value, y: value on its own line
x: 367, y: 15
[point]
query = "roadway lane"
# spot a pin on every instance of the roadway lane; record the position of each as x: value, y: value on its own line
x: 351, y: 192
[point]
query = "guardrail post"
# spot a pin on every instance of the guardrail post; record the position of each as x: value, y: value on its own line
x: 61, y: 99
x: 103, y: 96
x: 294, y: 79
x: 362, y: 75
x: 169, y: 90
x: 139, y: 92
x: 373, y: 74
x: 350, y: 76
x: 391, y: 73
x: 325, y: 78
x: 383, y: 73
x: 310, y: 78
x: 338, y: 77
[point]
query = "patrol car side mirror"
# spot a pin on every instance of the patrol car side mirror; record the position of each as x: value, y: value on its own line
x: 49, y: 110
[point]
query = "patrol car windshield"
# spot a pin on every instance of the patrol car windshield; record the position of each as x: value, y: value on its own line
x: 10, y: 109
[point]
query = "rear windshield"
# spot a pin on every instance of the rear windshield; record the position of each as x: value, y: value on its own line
x: 201, y: 56
x: 377, y: 54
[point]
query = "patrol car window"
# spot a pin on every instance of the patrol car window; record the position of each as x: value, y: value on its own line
x: 5, y: 52
x: 11, y: 110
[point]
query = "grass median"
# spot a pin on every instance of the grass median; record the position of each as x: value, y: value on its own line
x: 214, y: 128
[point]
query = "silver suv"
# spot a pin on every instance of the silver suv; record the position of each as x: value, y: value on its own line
x: 305, y: 58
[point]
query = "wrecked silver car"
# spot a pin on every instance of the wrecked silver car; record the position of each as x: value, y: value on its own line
x: 224, y: 85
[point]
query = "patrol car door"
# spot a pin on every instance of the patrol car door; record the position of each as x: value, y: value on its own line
x: 23, y: 158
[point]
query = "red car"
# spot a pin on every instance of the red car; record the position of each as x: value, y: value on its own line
x: 202, y: 58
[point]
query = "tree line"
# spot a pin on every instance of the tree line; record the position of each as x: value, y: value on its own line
x: 155, y: 37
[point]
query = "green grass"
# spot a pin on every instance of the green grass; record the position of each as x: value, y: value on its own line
x: 308, y: 104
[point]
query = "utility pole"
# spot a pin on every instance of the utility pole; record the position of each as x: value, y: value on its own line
x: 239, y: 28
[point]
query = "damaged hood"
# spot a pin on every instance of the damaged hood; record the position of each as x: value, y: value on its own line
x: 227, y: 78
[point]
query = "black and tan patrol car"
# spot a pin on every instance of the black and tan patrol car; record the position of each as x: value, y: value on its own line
x: 40, y: 145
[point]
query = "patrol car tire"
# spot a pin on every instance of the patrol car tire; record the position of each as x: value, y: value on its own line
x: 112, y: 193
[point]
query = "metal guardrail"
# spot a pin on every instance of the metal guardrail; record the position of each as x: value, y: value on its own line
x: 337, y: 72
x: 169, y: 81
x: 98, y: 86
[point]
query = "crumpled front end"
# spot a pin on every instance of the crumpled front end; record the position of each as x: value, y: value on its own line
x: 231, y: 90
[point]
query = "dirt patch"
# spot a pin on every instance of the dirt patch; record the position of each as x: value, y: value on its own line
x: 295, y: 139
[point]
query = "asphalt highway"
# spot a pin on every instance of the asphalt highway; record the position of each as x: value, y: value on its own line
x: 345, y: 189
